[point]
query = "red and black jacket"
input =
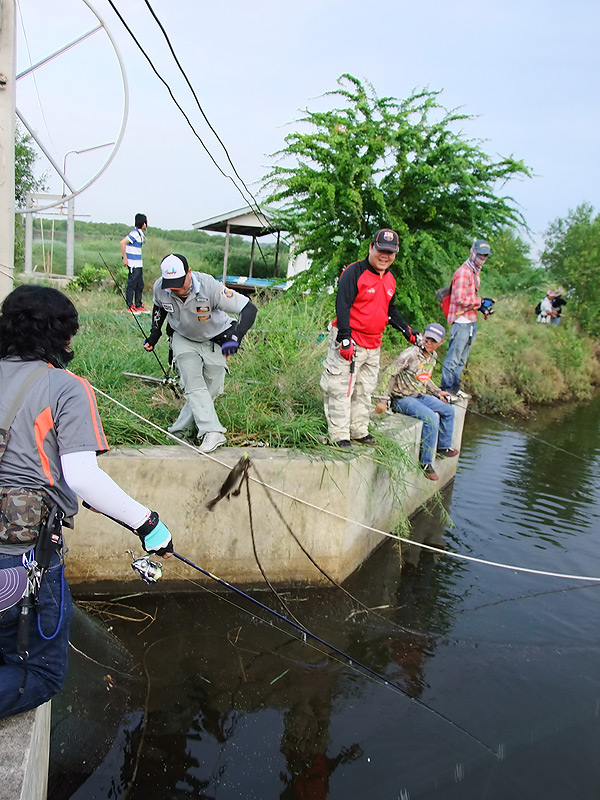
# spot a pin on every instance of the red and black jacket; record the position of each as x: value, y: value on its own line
x: 365, y: 304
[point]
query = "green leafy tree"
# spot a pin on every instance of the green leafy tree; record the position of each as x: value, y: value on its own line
x: 510, y: 253
x: 572, y: 257
x: 511, y: 270
x: 25, y: 181
x: 25, y: 158
x: 383, y: 162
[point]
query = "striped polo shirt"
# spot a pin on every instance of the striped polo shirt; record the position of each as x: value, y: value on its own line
x: 133, y: 248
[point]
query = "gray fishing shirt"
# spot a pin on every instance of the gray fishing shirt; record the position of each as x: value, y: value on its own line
x: 202, y: 314
x: 57, y: 416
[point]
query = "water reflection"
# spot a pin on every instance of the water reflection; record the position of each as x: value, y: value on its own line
x: 227, y: 706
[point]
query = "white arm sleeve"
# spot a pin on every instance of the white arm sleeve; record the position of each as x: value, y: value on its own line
x: 85, y: 478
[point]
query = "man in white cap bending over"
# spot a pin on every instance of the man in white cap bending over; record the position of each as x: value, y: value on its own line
x: 196, y: 306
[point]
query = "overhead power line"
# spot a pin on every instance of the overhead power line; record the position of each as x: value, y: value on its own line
x: 174, y: 99
x: 195, y: 96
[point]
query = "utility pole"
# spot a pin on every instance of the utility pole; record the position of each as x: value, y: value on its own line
x: 7, y: 145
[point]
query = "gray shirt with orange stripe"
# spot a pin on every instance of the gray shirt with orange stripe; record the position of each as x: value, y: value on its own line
x: 57, y: 416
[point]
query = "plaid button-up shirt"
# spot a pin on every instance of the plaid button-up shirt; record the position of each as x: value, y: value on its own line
x: 465, y: 285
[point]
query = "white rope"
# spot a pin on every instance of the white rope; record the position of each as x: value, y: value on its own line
x: 449, y: 553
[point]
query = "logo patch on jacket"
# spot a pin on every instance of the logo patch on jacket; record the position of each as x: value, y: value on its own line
x: 169, y: 307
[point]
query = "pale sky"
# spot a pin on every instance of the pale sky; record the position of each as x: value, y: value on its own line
x: 527, y: 70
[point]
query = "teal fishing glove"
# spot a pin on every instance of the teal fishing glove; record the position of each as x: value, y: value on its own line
x: 155, y: 536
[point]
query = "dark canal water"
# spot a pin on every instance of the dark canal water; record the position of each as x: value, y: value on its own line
x: 216, y: 704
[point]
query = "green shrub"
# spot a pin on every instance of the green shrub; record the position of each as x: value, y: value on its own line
x: 89, y: 278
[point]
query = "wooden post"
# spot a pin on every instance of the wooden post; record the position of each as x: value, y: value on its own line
x: 277, y: 253
x: 226, y: 252
x: 252, y: 257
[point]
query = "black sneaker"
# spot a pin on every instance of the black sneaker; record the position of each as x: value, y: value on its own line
x: 346, y: 444
x: 429, y: 472
x: 368, y: 439
x: 446, y: 452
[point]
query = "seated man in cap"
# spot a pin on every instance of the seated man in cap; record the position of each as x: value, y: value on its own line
x: 462, y: 314
x: 204, y: 336
x: 411, y: 391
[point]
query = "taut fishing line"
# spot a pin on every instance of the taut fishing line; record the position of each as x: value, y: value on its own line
x: 448, y: 553
x: 348, y: 594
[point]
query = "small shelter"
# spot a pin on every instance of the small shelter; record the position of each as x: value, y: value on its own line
x: 243, y: 222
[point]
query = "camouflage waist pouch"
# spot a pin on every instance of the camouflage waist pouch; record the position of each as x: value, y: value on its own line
x: 22, y: 513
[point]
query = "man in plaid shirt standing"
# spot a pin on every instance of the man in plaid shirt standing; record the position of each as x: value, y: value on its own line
x: 462, y: 315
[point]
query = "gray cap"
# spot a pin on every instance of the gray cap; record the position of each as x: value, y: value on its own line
x: 435, y: 331
x: 482, y: 247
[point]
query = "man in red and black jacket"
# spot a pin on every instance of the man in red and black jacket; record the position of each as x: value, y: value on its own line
x: 364, y: 306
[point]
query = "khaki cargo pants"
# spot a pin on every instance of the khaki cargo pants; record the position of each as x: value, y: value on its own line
x: 348, y: 416
x: 202, y: 367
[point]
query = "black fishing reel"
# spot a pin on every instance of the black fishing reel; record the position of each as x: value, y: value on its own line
x: 148, y: 570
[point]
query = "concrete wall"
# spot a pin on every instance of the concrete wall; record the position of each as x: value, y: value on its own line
x: 24, y: 750
x: 178, y: 482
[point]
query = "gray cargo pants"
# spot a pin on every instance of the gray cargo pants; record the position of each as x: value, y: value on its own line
x: 201, y: 367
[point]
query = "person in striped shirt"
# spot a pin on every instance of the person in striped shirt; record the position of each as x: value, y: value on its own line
x: 131, y: 250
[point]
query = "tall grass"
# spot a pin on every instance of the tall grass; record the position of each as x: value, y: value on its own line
x: 272, y: 394
x: 517, y: 363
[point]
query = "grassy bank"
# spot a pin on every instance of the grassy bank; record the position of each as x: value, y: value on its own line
x: 272, y: 393
x: 517, y: 363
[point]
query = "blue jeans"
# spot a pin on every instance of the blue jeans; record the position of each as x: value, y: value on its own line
x: 25, y: 685
x: 427, y: 408
x: 462, y: 336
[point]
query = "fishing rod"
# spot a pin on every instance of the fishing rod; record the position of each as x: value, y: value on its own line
x: 151, y: 571
x: 168, y: 380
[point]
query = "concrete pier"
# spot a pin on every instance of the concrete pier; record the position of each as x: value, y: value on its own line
x: 327, y: 504
x: 24, y: 749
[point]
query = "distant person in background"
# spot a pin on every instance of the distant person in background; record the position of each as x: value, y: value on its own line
x: 131, y: 250
x: 411, y: 391
x: 462, y: 314
x: 547, y: 310
x: 558, y: 302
